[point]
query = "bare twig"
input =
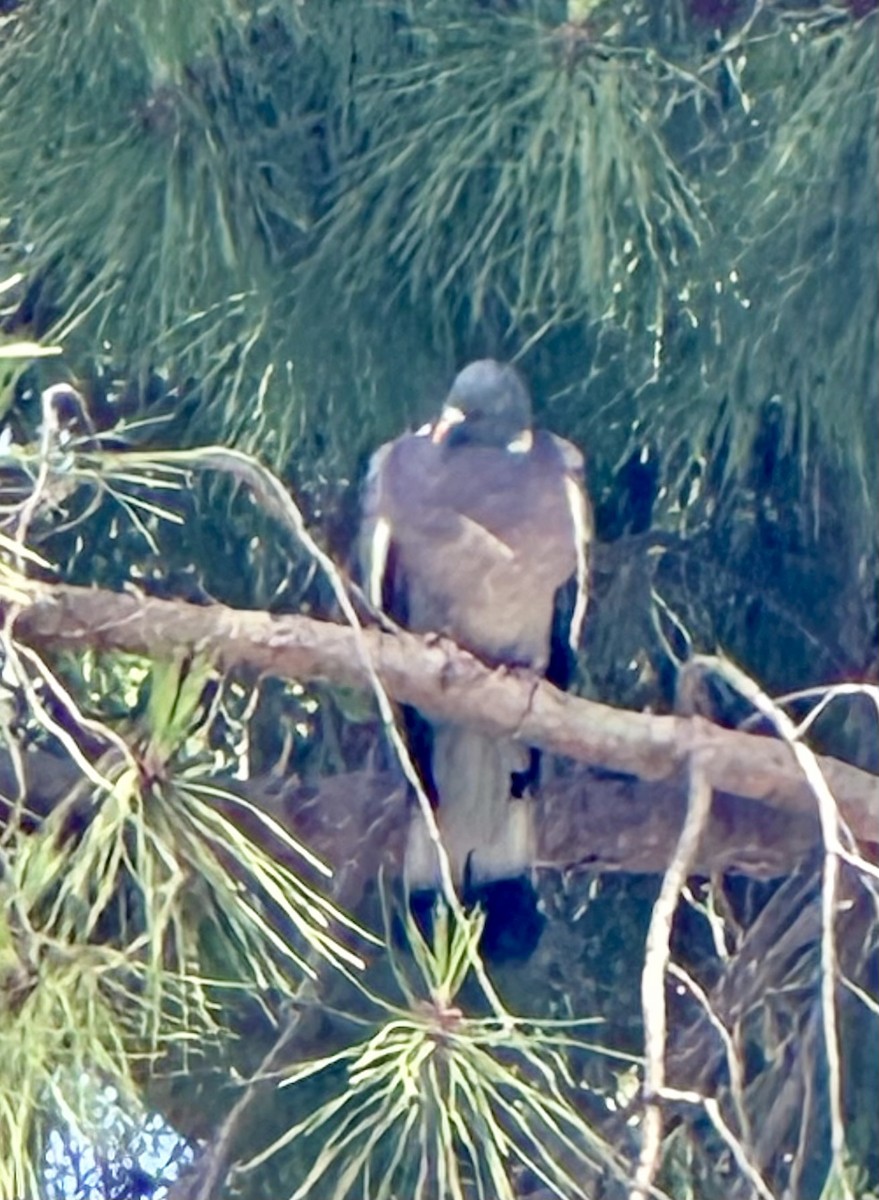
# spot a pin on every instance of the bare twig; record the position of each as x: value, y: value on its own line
x: 712, y: 1111
x: 733, y: 1059
x: 831, y: 829
x: 277, y: 501
x: 656, y: 962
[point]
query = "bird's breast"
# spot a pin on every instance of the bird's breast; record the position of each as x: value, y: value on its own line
x: 485, y: 539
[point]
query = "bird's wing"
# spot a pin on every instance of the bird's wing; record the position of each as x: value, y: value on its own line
x: 584, y: 532
x: 375, y: 548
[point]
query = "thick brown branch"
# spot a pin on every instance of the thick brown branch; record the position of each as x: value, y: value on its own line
x: 449, y: 684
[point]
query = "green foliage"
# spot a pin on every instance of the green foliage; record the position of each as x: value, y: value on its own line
x: 282, y: 226
x: 436, y: 1103
x: 165, y: 263
x: 799, y: 266
x: 290, y: 184
x: 65, y: 1010
x: 539, y: 180
x: 131, y: 913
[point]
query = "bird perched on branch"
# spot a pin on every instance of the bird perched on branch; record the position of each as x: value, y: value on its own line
x: 477, y: 526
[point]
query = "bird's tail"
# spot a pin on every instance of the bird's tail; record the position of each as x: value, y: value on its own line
x: 487, y: 832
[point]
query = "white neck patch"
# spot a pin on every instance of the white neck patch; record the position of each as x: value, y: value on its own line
x: 521, y: 443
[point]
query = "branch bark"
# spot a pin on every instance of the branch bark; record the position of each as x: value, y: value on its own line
x: 446, y: 683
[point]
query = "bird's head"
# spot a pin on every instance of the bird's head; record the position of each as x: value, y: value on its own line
x: 488, y: 405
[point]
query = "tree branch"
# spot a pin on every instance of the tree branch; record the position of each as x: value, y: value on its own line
x: 446, y: 683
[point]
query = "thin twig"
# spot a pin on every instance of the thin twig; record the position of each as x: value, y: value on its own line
x: 733, y: 1059
x: 656, y: 963
x: 204, y: 1179
x: 831, y: 828
x: 712, y: 1110
x: 278, y: 502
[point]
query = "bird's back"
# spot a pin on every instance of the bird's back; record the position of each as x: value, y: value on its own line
x: 483, y: 540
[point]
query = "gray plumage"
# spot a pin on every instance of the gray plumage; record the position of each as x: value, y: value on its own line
x: 470, y: 528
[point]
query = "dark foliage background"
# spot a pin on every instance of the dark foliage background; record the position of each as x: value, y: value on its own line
x: 283, y: 226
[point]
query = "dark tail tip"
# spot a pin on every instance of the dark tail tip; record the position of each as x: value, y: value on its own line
x: 513, y: 921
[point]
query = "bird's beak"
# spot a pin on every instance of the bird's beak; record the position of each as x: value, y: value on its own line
x: 448, y: 419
